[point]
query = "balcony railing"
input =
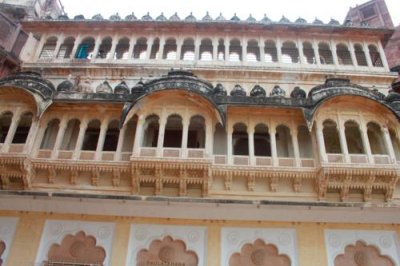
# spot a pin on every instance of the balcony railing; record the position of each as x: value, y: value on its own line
x: 381, y: 159
x: 16, y: 148
x: 358, y: 158
x: 335, y: 158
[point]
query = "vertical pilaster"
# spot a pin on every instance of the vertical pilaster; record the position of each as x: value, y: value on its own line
x: 226, y: 45
x: 352, y: 54
x: 113, y: 47
x: 96, y: 48
x: 301, y: 52
x: 383, y: 57
x: 365, y: 141
x: 209, y: 138
x: 179, y: 44
x: 367, y: 55
x: 262, y: 50
x: 197, y: 43
x: 244, y: 50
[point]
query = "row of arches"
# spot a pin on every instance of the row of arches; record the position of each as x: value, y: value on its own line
x: 207, y: 49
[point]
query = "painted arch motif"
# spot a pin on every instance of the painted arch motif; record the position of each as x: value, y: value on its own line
x: 79, y: 249
x: 167, y: 252
x: 259, y: 254
x: 361, y: 254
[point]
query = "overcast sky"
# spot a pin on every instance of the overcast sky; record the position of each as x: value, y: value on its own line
x: 292, y: 9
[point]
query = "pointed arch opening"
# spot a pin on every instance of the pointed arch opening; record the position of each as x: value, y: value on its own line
x: 206, y: 50
x: 375, y: 138
x: 23, y: 129
x: 49, y: 48
x: 85, y: 48
x: 240, y: 140
x: 187, y: 52
x: 122, y: 48
x: 173, y: 132
x: 91, y: 137
x: 325, y: 54
x: 170, y: 49
x: 308, y: 52
x: 151, y: 131
x: 360, y: 55
x: 196, y: 132
x: 105, y: 48
x: 5, y: 123
x: 253, y: 51
x: 331, y: 137
x: 235, y: 51
x: 262, y: 141
x: 140, y: 49
x: 66, y: 48
x: 50, y: 134
x: 71, y: 135
x: 271, y: 53
x: 112, y: 135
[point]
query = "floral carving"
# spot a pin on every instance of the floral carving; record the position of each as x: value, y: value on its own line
x: 78, y: 248
x: 167, y: 252
x: 361, y: 254
x: 259, y: 254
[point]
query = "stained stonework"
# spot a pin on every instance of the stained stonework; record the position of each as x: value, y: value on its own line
x: 361, y: 254
x: 259, y: 254
x: 78, y: 248
x: 167, y: 252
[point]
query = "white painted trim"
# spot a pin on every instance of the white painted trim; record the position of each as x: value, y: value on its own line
x: 233, y: 239
x: 141, y: 236
x: 55, y: 230
x: 199, y: 210
x: 386, y: 241
x: 8, y: 225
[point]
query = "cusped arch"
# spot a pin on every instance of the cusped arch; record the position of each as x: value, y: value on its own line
x: 259, y: 253
x: 362, y: 254
x: 167, y: 251
x: 79, y: 248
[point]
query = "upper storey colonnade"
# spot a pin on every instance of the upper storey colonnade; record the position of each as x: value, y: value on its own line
x: 232, y: 50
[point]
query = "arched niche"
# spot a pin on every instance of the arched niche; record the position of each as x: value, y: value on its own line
x: 331, y: 137
x: 80, y: 249
x: 167, y: 251
x: 240, y: 140
x: 259, y: 253
x: 361, y: 254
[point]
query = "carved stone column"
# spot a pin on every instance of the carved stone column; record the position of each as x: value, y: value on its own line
x: 100, y: 141
x: 389, y: 144
x: 321, y: 143
x: 334, y: 53
x: 161, y: 48
x: 131, y: 46
x: 185, y: 131
x: 76, y: 45
x: 301, y: 52
x: 113, y: 47
x: 161, y: 133
x: 96, y: 48
x: 229, y: 145
x: 59, y: 138
x: 279, y: 49
x: 121, y: 137
x: 243, y: 43
x: 197, y: 43
x: 79, y: 141
x: 352, y: 53
x: 383, y: 57
x: 367, y: 55
x: 251, y: 145
x: 60, y: 41
x: 215, y: 43
x: 138, y: 135
x: 343, y: 143
x: 316, y: 53
x: 11, y: 131
x: 179, y: 44
x: 274, y: 153
x: 262, y: 50
x: 226, y: 46
x: 295, y: 142
x: 149, y: 46
x: 365, y: 141
x: 42, y: 42
x: 209, y: 138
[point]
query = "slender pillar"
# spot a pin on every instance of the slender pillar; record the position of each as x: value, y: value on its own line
x: 226, y: 44
x: 96, y: 48
x: 138, y: 135
x: 161, y: 133
x: 161, y: 49
x: 334, y: 53
x: 229, y: 145
x: 42, y: 42
x: 113, y: 47
x: 11, y: 131
x: 76, y: 45
x: 79, y: 141
x: 321, y: 143
x: 185, y: 131
x: 279, y: 49
x: 352, y: 54
x: 215, y: 43
x: 38, y: 140
x: 150, y: 43
x: 251, y: 145
x: 197, y: 43
x: 209, y: 138
x: 121, y: 137
x: 262, y: 50
x: 301, y: 52
x: 131, y: 46
x: 274, y: 153
x: 100, y: 141
x: 365, y: 141
x: 31, y: 135
x: 60, y: 41
x: 367, y: 55
x: 343, y: 143
x: 179, y: 44
x: 244, y: 49
x: 59, y: 138
x: 316, y: 53
x: 383, y: 57
x: 389, y: 144
x: 295, y: 142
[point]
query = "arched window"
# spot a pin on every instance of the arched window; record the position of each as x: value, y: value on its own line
x: 220, y: 140
x: 271, y: 54
x: 140, y: 49
x: 240, y: 139
x: 353, y: 138
x: 343, y: 54
x: 221, y: 50
x: 111, y: 138
x: 173, y: 132
x: 305, y: 142
x: 91, y: 136
x: 66, y: 48
x: 50, y: 135
x: 375, y: 56
x: 206, y: 50
x: 235, y: 51
x: 130, y: 133
x: 121, y: 50
x: 284, y: 143
x: 290, y: 53
x: 85, y: 49
x: 5, y: 123
x: 105, y: 48
x: 360, y: 55
x: 375, y: 137
x: 71, y: 135
x: 22, y: 132
x: 325, y: 54
x: 331, y: 137
x: 396, y: 143
x: 155, y: 48
x: 151, y: 128
x: 308, y: 52
x: 49, y: 48
x: 262, y: 141
x: 196, y: 133
x: 187, y: 53
x: 170, y: 49
x: 253, y: 51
